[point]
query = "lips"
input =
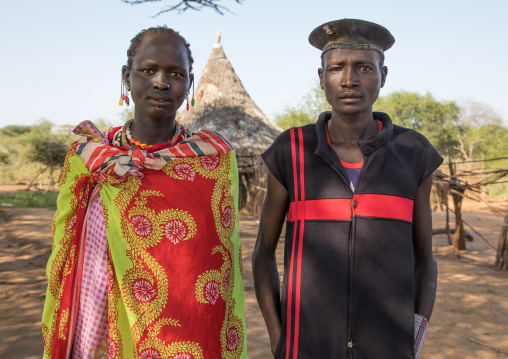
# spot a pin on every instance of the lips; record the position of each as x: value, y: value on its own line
x: 350, y: 98
x: 351, y: 95
x: 159, y: 100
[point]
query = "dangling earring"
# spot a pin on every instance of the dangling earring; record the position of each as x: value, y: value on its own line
x: 192, y: 101
x: 187, y: 98
x: 126, y: 98
x: 124, y: 91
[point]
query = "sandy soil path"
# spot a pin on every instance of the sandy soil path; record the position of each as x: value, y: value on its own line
x: 472, y: 300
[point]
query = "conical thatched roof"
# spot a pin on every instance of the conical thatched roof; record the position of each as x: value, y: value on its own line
x: 223, y: 105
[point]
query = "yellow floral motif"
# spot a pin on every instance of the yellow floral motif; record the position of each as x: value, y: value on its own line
x: 205, y: 166
x: 240, y: 261
x: 224, y: 213
x: 46, y: 337
x: 64, y: 317
x: 69, y: 264
x: 48, y: 333
x: 102, y: 351
x: 53, y: 224
x: 226, y: 272
x: 208, y: 287
x: 113, y: 296
x: 156, y: 346
x: 181, y: 169
x: 66, y: 167
x: 232, y: 335
x: 128, y: 190
x: 156, y: 328
x: 57, y: 266
x: 144, y: 293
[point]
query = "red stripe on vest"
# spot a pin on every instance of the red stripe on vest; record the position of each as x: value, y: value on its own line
x: 384, y: 206
x: 333, y: 209
x: 290, y: 281
x: 300, y: 245
x: 339, y: 209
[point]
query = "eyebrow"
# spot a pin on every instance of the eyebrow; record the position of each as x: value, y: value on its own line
x: 148, y: 62
x: 359, y: 62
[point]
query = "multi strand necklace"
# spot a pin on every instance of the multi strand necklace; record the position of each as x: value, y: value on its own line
x: 135, y: 142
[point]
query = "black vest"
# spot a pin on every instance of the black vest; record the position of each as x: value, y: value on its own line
x: 348, y: 265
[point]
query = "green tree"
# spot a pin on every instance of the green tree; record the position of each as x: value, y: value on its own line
x: 483, y: 124
x: 486, y: 138
x: 306, y: 111
x: 4, y: 157
x: 48, y: 149
x: 15, y: 130
x: 437, y: 120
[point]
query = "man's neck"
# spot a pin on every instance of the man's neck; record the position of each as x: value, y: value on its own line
x: 347, y: 130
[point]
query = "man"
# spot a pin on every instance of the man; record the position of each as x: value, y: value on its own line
x: 359, y: 274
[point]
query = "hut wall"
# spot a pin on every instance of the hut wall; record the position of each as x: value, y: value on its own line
x: 252, y: 187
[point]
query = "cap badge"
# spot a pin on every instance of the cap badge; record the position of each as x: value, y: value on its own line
x: 327, y: 29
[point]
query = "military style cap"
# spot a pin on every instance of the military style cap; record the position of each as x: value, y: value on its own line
x: 351, y: 34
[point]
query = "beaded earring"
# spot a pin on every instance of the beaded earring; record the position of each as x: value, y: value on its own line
x: 192, y: 101
x: 187, y: 99
x: 124, y: 91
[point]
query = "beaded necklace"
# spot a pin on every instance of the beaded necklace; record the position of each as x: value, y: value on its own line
x: 135, y: 142
x: 123, y: 138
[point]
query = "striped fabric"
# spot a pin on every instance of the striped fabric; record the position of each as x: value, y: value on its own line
x: 421, y: 325
x: 109, y: 160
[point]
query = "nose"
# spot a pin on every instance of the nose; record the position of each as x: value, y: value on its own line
x: 161, y: 86
x: 349, y: 78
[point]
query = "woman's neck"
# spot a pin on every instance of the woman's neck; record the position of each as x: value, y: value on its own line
x: 153, y: 131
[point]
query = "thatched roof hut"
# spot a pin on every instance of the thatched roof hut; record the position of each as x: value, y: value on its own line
x: 223, y: 105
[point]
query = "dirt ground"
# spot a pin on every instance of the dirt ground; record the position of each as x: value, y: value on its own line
x: 472, y: 299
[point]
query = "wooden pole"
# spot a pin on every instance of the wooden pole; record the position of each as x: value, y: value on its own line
x: 502, y: 248
x: 447, y: 227
x: 459, y: 240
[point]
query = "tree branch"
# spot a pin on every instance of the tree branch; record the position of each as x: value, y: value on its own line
x: 185, y: 5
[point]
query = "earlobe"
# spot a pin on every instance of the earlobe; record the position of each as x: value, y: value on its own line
x: 320, y: 74
x: 126, y: 75
x: 384, y: 73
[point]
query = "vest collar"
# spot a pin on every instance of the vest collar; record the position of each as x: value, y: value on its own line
x: 367, y: 145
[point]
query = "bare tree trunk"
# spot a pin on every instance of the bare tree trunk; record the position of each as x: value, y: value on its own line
x: 447, y: 227
x: 483, y: 189
x: 459, y: 239
x: 33, y: 180
x: 457, y: 192
x: 502, y: 248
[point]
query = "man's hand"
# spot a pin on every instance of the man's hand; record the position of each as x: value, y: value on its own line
x: 425, y: 264
x: 264, y: 265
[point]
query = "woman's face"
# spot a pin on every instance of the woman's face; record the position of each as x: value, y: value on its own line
x: 159, y: 59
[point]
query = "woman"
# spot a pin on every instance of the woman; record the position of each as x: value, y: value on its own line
x: 146, y: 260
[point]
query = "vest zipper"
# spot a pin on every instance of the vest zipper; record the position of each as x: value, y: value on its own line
x: 351, y: 264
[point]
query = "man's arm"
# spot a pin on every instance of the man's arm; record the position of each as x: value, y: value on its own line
x: 264, y: 265
x: 425, y: 264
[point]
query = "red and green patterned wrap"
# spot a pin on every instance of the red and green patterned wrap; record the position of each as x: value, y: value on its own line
x: 175, y: 282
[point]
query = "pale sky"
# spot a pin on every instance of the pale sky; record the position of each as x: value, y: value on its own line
x: 61, y: 59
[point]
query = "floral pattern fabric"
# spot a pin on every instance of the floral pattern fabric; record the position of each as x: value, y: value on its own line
x: 174, y: 277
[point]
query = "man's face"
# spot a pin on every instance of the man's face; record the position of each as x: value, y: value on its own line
x: 351, y: 79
